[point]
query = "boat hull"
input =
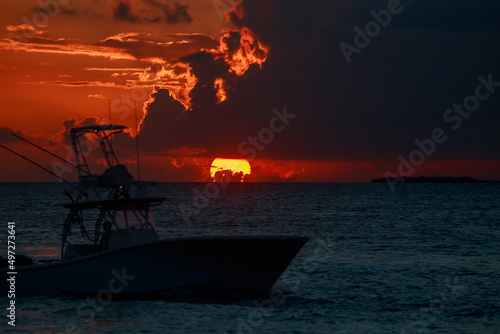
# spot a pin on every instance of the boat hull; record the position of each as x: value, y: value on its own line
x: 205, y: 264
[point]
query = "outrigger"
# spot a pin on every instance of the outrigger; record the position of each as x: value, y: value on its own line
x: 124, y: 249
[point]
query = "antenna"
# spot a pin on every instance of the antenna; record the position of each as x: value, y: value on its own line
x: 109, y: 110
x: 137, y: 142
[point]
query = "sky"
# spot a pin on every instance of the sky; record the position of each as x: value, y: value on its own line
x: 316, y: 91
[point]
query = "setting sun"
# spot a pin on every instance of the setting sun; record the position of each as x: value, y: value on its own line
x: 238, y: 167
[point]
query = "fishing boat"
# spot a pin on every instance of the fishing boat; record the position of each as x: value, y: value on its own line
x: 123, y: 253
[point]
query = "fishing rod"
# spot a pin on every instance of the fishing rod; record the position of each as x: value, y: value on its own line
x: 52, y: 154
x: 38, y: 165
x: 137, y: 143
x: 109, y: 112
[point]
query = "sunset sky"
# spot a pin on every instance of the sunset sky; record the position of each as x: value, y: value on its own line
x: 269, y: 81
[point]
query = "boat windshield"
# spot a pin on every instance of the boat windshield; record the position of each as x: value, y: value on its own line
x: 133, y: 219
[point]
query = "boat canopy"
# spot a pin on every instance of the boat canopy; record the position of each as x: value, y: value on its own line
x: 98, y: 128
x: 116, y: 176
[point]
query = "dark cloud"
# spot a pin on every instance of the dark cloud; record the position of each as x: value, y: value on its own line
x: 394, y: 91
x: 206, y: 68
x: 182, y: 170
x: 152, y: 11
x: 232, y: 40
x: 141, y: 11
x: 69, y: 10
x: 444, y: 14
x: 162, y: 113
x: 6, y: 135
x: 52, y: 8
x: 171, y: 46
x: 176, y: 13
x: 37, y: 40
x: 123, y: 12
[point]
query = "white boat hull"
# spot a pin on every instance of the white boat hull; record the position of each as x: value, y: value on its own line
x: 206, y: 264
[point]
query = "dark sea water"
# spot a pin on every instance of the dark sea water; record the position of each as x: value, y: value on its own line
x: 423, y: 259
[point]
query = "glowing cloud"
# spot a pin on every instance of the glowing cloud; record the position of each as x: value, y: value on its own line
x: 178, y: 78
x: 240, y: 49
x: 219, y: 86
x: 20, y: 28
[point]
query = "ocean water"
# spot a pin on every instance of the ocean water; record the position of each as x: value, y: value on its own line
x: 422, y: 259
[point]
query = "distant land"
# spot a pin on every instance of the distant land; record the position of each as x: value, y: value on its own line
x: 437, y: 179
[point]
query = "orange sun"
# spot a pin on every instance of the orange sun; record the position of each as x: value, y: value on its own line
x: 237, y: 167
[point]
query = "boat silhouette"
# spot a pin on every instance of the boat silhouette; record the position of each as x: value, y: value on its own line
x: 122, y: 252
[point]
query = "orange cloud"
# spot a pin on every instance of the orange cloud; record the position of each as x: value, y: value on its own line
x: 20, y: 28
x: 240, y: 49
x: 185, y: 151
x: 50, y: 46
x: 221, y: 92
x: 76, y: 83
x: 236, y: 10
x: 178, y: 78
x: 97, y: 96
